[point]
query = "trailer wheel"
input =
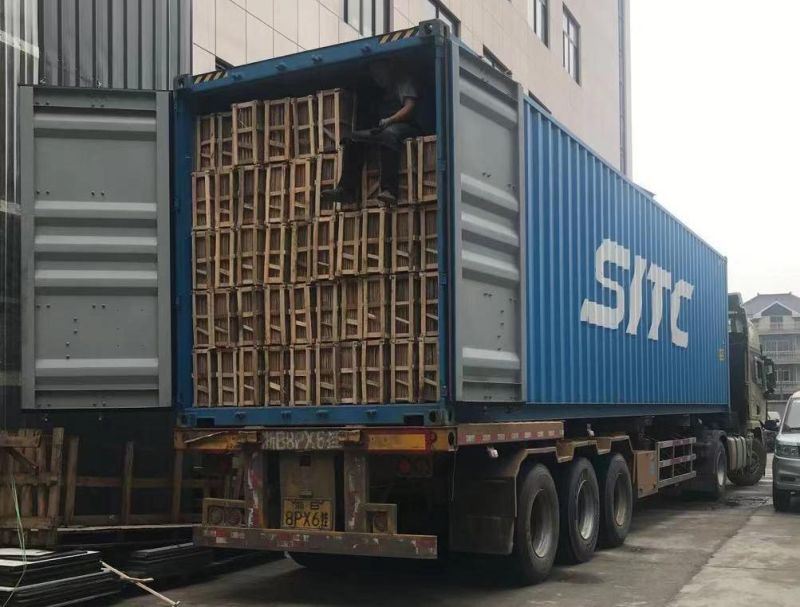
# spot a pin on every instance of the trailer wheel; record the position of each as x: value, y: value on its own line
x: 616, y: 500
x: 716, y: 481
x: 536, y: 529
x: 579, y: 495
x: 755, y: 468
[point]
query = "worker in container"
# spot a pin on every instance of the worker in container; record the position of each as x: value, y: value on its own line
x: 394, y: 110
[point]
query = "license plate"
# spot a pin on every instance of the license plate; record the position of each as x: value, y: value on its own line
x: 307, y: 514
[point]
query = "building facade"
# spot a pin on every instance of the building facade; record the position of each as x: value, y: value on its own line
x: 776, y: 316
x: 570, y: 55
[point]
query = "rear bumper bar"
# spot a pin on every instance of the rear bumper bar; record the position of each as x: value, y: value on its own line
x: 322, y: 542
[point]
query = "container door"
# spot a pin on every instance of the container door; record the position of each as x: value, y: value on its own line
x: 487, y: 219
x: 95, y: 249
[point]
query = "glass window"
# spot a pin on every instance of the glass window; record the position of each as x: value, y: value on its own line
x: 369, y: 17
x: 431, y: 9
x: 571, y: 46
x: 776, y: 321
x: 537, y: 18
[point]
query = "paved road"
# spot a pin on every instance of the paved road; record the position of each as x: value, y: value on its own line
x: 679, y: 554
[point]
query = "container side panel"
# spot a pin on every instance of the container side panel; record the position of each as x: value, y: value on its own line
x: 96, y: 245
x: 625, y: 304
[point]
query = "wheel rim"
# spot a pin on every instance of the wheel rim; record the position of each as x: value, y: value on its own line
x: 587, y: 508
x: 621, y: 499
x: 541, y: 524
x: 721, y: 469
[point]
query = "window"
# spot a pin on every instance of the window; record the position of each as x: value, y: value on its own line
x: 431, y: 9
x: 783, y: 374
x: 571, y: 53
x: 369, y: 17
x: 776, y: 322
x: 537, y: 19
x: 492, y: 60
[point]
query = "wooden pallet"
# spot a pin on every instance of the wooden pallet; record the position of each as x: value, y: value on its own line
x: 374, y: 241
x: 324, y: 249
x: 277, y: 193
x: 405, y: 239
x: 348, y: 244
x: 278, y: 132
x: 402, y: 371
x: 429, y: 304
x: 301, y: 320
x: 248, y: 132
x: 351, y: 306
x: 407, y: 186
x: 403, y: 313
x: 427, y: 174
x: 252, y: 199
x: 227, y: 377
x: 276, y: 365
x: 301, y: 189
x: 250, y: 309
x: 349, y: 373
x: 224, y: 140
x: 428, y: 366
x: 275, y: 261
x: 371, y: 179
x: 251, y: 377
x: 203, y: 193
x: 205, y: 138
x: 226, y: 328
x: 251, y: 254
x: 375, y: 308
x: 304, y: 131
x: 327, y: 312
x: 373, y: 372
x: 204, y: 373
x: 336, y: 118
x: 329, y: 172
x: 301, y: 261
x: 327, y: 374
x: 203, y: 256
x: 275, y: 301
x: 301, y: 375
x: 225, y: 266
x: 429, y: 240
x: 203, y: 319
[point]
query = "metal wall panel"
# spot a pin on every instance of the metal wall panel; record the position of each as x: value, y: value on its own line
x: 96, y: 249
x: 604, y: 261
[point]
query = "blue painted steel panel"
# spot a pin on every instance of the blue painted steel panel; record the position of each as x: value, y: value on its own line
x: 597, y: 245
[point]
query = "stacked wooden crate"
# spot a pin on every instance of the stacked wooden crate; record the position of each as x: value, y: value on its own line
x: 298, y: 301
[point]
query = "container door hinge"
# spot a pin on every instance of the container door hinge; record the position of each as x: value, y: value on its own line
x: 443, y: 392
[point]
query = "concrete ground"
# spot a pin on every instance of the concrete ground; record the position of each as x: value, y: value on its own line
x: 680, y: 554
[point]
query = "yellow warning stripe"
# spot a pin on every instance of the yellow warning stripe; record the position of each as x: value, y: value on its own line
x: 200, y: 78
x: 398, y: 35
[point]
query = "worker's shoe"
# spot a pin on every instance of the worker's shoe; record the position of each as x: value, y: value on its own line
x: 337, y: 194
x: 387, y: 198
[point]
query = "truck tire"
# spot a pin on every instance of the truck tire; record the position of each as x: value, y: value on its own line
x: 781, y: 500
x: 616, y: 500
x: 714, y: 486
x: 579, y: 495
x: 536, y: 529
x: 755, y: 468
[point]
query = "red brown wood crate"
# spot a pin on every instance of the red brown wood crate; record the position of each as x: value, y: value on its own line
x: 252, y: 199
x: 336, y: 117
x: 251, y: 377
x: 405, y: 239
x: 403, y: 312
x: 373, y: 372
x: 428, y: 369
x: 324, y: 250
x: 304, y: 126
x: 350, y: 373
x: 402, y: 371
x: 301, y: 308
x: 351, y: 325
x: 276, y: 367
x: 301, y: 189
x: 227, y: 377
x: 429, y: 241
x: 203, y: 257
x: 251, y: 255
x: 277, y: 193
x: 204, y: 372
x: 301, y: 375
x: 224, y: 140
x: 429, y: 304
x: 248, y: 132
x: 226, y: 329
x: 426, y: 169
x: 278, y: 131
x: 225, y: 267
x: 348, y: 245
x: 275, y: 304
x: 375, y: 307
x: 250, y: 308
x: 327, y: 327
x: 407, y: 186
x: 329, y: 172
x: 275, y: 262
x: 374, y: 241
x: 327, y: 374
x: 371, y: 179
x: 301, y: 262
x: 205, y: 136
x: 225, y: 199
x: 203, y: 319
x: 203, y: 193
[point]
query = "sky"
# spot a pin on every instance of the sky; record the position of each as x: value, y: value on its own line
x: 715, y: 93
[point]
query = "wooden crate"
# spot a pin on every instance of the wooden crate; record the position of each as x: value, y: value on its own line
x: 350, y: 307
x: 250, y: 309
x: 225, y: 199
x: 248, y: 132
x: 203, y: 256
x: 301, y: 262
x: 429, y: 241
x: 374, y: 241
x: 301, y: 375
x: 203, y: 319
x: 275, y: 261
x: 252, y: 241
x: 251, y: 377
x: 204, y: 373
x: 329, y: 172
x: 203, y: 192
x: 225, y: 266
x: 336, y: 118
x: 278, y: 131
x: 428, y: 365
x: 227, y: 377
x: 301, y: 189
x: 224, y: 140
x: 205, y: 140
x: 226, y: 328
x: 348, y: 244
x: 375, y: 307
x: 403, y: 314
x: 371, y: 178
x: 301, y: 309
x: 405, y: 239
x: 427, y: 174
x: 407, y: 186
x: 277, y: 193
x: 350, y: 373
x: 276, y: 364
x: 327, y: 374
x: 304, y: 130
x: 324, y: 250
x: 429, y: 304
x: 252, y: 198
x: 327, y: 312
x: 275, y: 315
x: 373, y: 372
x: 402, y: 371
